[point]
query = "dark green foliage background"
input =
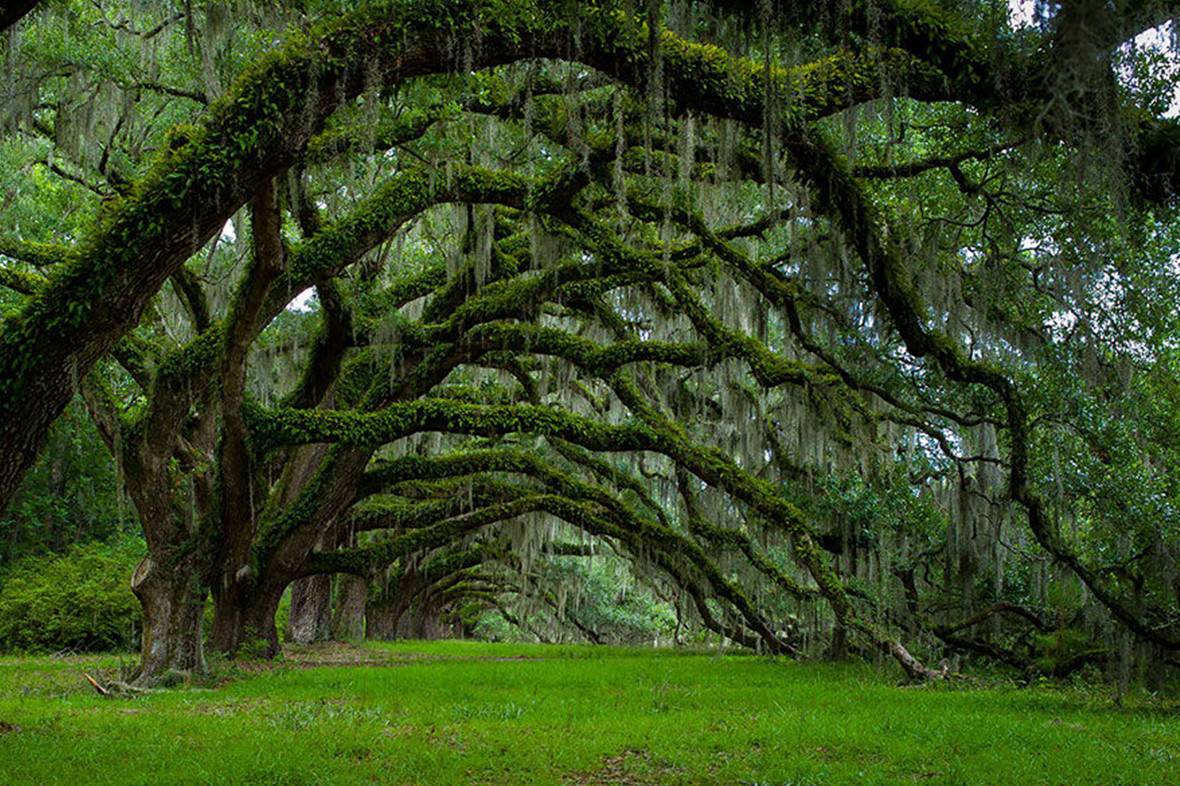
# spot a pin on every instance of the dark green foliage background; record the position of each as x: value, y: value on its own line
x: 79, y: 600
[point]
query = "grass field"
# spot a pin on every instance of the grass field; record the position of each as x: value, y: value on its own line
x: 455, y: 712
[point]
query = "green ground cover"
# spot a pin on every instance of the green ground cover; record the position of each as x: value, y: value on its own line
x: 458, y: 712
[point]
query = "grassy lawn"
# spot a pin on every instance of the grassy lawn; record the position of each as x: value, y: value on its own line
x: 454, y: 712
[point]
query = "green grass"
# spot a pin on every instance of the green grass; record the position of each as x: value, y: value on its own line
x: 455, y: 712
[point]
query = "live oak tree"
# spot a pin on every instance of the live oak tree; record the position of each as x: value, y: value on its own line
x: 850, y: 326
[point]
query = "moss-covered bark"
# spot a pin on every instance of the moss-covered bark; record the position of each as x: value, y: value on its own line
x: 172, y: 595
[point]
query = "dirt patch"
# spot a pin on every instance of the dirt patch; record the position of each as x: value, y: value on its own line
x: 8, y: 728
x: 334, y: 653
x: 327, y: 654
x: 341, y: 653
x: 306, y: 656
x: 631, y: 767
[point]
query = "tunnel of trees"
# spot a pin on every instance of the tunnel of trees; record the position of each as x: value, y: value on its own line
x: 847, y: 327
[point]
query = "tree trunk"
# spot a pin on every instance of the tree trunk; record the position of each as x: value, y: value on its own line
x: 244, y: 623
x: 407, y: 626
x: 381, y: 621
x: 173, y: 603
x: 423, y: 621
x: 311, y: 607
x: 838, y: 646
x: 352, y: 592
x: 390, y: 620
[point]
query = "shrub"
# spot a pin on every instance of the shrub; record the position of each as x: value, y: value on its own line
x: 77, y: 600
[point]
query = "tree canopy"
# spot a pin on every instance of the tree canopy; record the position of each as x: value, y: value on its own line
x: 846, y: 325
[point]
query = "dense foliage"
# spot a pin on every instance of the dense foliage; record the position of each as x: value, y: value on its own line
x: 76, y: 601
x: 70, y: 496
x: 847, y: 328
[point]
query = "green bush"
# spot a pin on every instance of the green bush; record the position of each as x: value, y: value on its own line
x: 78, y: 600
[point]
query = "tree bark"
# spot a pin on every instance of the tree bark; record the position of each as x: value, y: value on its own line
x: 173, y: 603
x: 912, y: 666
x: 352, y: 592
x: 311, y: 605
x: 407, y: 625
x: 423, y: 621
x: 381, y: 621
x: 244, y: 622
x: 838, y: 646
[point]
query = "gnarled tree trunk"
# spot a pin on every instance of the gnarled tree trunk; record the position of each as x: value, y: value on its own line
x: 173, y: 601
